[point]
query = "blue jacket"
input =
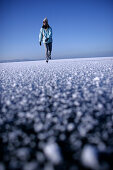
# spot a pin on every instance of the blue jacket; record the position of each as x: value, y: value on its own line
x: 44, y: 34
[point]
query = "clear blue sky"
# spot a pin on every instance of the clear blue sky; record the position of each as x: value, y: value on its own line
x: 80, y: 28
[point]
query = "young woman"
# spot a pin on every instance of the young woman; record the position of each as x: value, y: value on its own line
x: 45, y: 35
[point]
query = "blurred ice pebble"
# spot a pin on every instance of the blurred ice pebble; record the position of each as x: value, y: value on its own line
x: 89, y: 157
x: 53, y: 153
x: 96, y: 79
x: 2, y: 167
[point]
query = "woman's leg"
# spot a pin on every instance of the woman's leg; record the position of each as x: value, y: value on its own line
x: 50, y: 49
x: 46, y: 50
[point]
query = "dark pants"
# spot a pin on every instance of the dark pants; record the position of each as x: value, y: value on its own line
x: 48, y: 49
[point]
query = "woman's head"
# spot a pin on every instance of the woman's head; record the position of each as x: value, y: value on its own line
x: 45, y: 21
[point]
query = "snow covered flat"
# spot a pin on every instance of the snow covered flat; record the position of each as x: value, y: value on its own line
x: 57, y: 115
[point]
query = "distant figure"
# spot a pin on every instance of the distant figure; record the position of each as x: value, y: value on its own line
x: 45, y: 35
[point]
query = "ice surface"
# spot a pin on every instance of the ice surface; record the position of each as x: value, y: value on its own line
x: 66, y: 102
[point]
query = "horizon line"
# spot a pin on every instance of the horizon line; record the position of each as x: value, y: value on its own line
x: 24, y: 60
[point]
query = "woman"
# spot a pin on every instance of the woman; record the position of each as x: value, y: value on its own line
x: 45, y: 35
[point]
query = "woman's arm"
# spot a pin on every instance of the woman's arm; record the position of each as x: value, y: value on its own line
x: 40, y: 35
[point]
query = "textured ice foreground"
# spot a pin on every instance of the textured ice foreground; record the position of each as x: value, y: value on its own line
x: 57, y: 115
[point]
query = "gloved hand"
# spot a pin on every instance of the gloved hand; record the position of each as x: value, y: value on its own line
x: 46, y: 39
x: 40, y: 43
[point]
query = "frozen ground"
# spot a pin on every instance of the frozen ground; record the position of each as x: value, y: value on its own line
x: 57, y: 115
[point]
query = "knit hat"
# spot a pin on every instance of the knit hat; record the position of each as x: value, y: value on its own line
x: 45, y: 20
